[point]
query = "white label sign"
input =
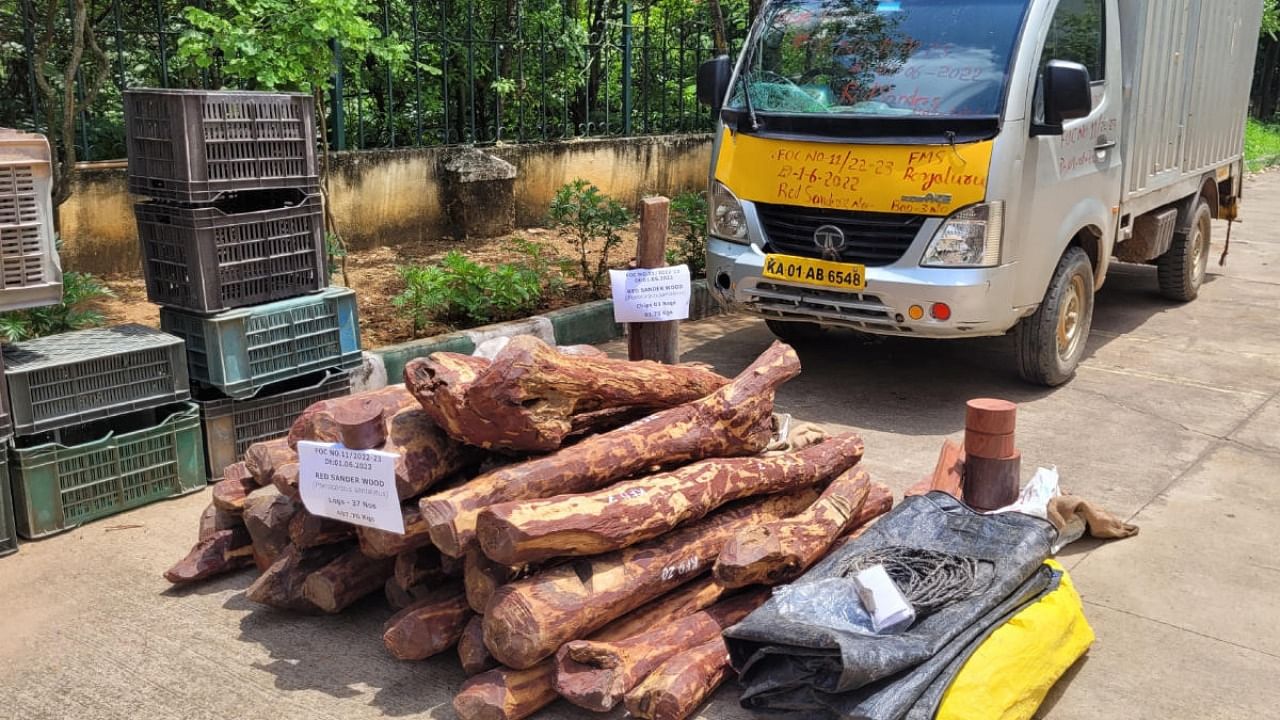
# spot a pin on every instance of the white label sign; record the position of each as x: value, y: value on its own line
x: 355, y: 486
x: 651, y: 295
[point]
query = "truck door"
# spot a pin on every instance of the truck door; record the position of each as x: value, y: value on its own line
x: 1078, y: 174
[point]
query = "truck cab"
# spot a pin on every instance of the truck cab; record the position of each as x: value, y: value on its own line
x: 967, y: 168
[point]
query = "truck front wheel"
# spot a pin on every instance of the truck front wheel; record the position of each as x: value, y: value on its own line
x: 795, y: 333
x: 1180, y: 271
x: 1051, y: 341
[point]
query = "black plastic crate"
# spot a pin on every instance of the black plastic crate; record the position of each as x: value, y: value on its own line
x: 257, y: 249
x: 231, y: 426
x: 8, y: 524
x: 195, y: 145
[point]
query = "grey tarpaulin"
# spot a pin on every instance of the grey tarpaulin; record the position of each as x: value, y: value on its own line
x: 787, y: 666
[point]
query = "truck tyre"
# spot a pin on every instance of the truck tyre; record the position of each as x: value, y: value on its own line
x: 1181, y: 269
x: 795, y: 333
x: 1051, y: 341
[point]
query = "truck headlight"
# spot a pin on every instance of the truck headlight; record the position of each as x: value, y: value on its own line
x: 969, y: 238
x: 726, y: 219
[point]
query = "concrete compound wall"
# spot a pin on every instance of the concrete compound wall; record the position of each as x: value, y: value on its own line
x: 384, y: 197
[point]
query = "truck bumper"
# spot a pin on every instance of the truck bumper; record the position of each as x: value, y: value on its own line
x: 980, y: 299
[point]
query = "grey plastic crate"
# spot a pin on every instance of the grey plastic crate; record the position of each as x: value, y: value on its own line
x: 194, y: 145
x: 30, y: 271
x: 231, y: 426
x: 63, y: 380
x: 239, y: 351
x: 207, y: 260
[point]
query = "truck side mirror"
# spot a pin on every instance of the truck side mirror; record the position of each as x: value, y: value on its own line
x: 713, y: 81
x: 1067, y: 95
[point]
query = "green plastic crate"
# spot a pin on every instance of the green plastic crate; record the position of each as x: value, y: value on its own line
x: 239, y: 351
x: 143, y: 457
x: 8, y: 527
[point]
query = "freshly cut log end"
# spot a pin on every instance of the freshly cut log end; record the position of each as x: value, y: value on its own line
x: 262, y: 458
x: 472, y: 653
x: 361, y: 423
x: 318, y: 423
x: 632, y: 511
x: 528, y: 620
x: 734, y: 420
x: 677, y: 688
x: 596, y: 675
x: 280, y: 586
x: 221, y: 552
x: 349, y: 577
x: 781, y: 551
x: 427, y: 628
x: 308, y: 531
x: 506, y: 694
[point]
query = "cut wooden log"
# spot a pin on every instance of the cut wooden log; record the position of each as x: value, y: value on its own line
x: 482, y: 578
x: 346, y: 579
x: 285, y: 478
x: 421, y: 566
x: 428, y: 454
x: 262, y: 458
x: 507, y: 694
x: 400, y: 597
x: 632, y: 511
x: 991, y: 484
x: 317, y: 422
x: 308, y: 531
x: 229, y: 493
x: 362, y: 423
x: 529, y: 619
x: 991, y: 415
x: 948, y: 474
x: 735, y: 420
x: 281, y: 584
x: 472, y: 653
x: 239, y: 471
x: 267, y: 517
x: 428, y: 627
x: 595, y: 675
x: 221, y: 552
x: 214, y: 519
x: 440, y: 382
x: 781, y: 551
x: 677, y: 687
x: 529, y: 393
x: 384, y: 543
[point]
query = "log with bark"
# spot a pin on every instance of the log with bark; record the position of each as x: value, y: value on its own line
x: 530, y: 619
x: 267, y: 515
x: 781, y: 551
x: 308, y: 531
x: 636, y: 510
x: 214, y: 519
x: 384, y: 543
x: 472, y: 653
x: 220, y: 552
x: 596, y: 675
x: 317, y: 422
x: 262, y: 458
x: 676, y: 688
x: 526, y: 399
x: 281, y: 584
x: 346, y: 579
x: 507, y: 694
x: 735, y: 420
x: 427, y: 627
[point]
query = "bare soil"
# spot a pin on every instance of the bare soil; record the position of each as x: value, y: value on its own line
x: 374, y: 276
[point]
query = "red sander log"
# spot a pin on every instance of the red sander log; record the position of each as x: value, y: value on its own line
x: 641, y: 509
x: 346, y: 579
x: 948, y: 473
x: 482, y: 578
x: 267, y: 513
x: 681, y: 684
x: 308, y: 531
x: 281, y: 584
x: 214, y: 519
x: 428, y: 454
x: 229, y: 492
x: 317, y: 422
x: 529, y: 619
x: 781, y: 551
x: 427, y: 627
x: 596, y: 675
x: 384, y: 543
x: 472, y: 653
x: 262, y: 458
x: 221, y: 552
x: 285, y: 478
x: 735, y: 420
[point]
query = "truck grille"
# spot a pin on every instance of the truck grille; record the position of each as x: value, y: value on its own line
x: 871, y: 239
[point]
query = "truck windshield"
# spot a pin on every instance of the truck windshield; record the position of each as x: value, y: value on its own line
x: 911, y: 58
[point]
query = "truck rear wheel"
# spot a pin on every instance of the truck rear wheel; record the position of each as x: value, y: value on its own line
x: 795, y: 333
x: 1181, y: 269
x: 1051, y: 341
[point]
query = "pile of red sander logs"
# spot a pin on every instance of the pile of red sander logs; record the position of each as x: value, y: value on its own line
x: 575, y: 526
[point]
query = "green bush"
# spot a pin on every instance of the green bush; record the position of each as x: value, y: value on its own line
x: 1261, y: 144
x: 593, y: 220
x: 688, y: 244
x: 79, y: 292
x: 462, y: 292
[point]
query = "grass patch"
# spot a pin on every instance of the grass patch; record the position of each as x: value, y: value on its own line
x: 1261, y: 145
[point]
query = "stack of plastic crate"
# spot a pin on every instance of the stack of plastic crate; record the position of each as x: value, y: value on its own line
x: 30, y: 275
x: 233, y: 250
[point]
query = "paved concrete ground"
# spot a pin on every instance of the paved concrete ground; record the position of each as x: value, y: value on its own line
x: 1172, y: 421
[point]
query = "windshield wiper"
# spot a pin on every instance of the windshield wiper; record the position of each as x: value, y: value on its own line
x: 746, y: 100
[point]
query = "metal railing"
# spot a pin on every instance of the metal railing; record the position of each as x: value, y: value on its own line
x: 480, y: 71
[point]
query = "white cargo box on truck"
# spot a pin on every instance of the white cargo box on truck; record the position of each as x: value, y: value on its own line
x: 1176, y: 88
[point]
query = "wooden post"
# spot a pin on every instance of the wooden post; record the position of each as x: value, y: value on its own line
x: 656, y: 340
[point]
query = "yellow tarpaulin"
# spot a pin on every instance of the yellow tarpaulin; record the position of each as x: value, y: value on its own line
x: 1010, y: 674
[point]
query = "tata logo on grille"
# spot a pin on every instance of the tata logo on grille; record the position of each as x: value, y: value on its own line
x: 829, y: 240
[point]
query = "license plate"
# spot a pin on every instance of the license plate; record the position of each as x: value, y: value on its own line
x: 807, y: 271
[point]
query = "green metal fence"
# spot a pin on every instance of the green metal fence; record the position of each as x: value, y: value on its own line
x: 481, y: 71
